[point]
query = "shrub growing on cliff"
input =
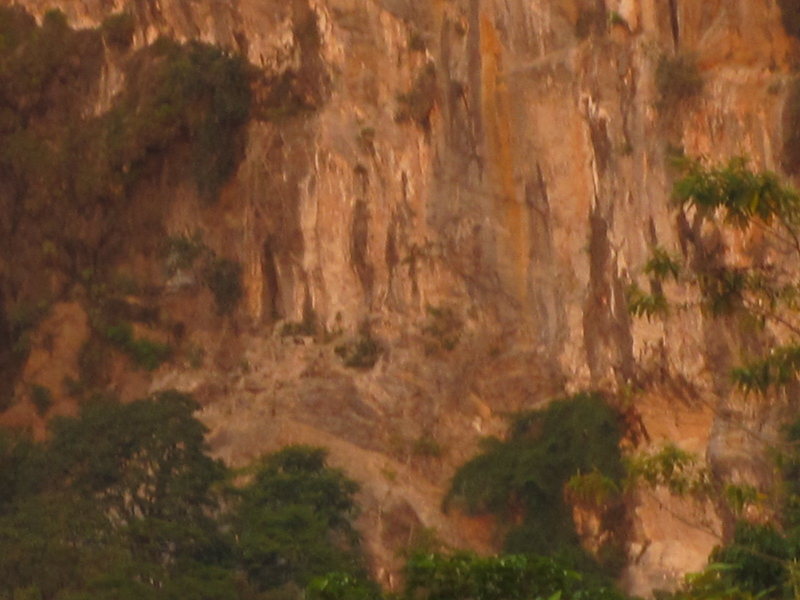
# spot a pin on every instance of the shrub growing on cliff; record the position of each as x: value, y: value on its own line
x: 522, y: 480
x: 144, y: 352
x: 359, y: 353
x: 69, y: 176
x: 223, y: 277
x: 194, y: 92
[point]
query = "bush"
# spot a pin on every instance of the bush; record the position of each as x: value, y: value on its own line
x: 522, y: 480
x: 464, y: 575
x: 194, y: 92
x: 677, y: 79
x: 361, y: 353
x: 642, y: 304
x: 223, y: 277
x: 145, y: 353
x: 293, y: 523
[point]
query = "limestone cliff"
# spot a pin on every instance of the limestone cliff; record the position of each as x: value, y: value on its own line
x: 471, y: 184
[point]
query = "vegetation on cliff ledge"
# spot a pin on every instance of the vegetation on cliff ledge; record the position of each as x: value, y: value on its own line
x: 522, y: 480
x: 73, y: 163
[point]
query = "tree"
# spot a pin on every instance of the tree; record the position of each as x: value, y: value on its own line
x: 293, y: 521
x: 465, y: 576
x: 522, y: 480
x: 758, y: 289
x: 120, y: 499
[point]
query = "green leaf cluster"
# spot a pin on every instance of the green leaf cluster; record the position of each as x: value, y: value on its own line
x: 740, y: 193
x: 294, y: 520
x: 671, y: 467
x: 144, y: 352
x: 123, y: 501
x: 642, y: 304
x: 778, y: 369
x: 465, y: 576
x: 522, y: 479
x: 756, y: 294
x: 662, y: 265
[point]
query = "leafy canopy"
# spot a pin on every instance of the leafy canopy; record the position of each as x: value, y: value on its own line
x: 522, y: 479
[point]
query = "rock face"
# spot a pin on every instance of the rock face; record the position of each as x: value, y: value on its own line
x: 472, y: 184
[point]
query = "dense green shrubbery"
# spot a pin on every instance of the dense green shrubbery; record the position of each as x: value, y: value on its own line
x: 464, y: 575
x: 124, y: 502
x: 522, y: 479
x: 293, y: 521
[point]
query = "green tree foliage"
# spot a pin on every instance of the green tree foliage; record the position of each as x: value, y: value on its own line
x: 293, y: 521
x: 341, y: 586
x: 123, y: 501
x: 761, y: 293
x: 761, y: 559
x: 522, y: 479
x: 759, y: 556
x: 465, y: 576
x: 120, y: 498
x: 642, y: 304
x: 741, y: 194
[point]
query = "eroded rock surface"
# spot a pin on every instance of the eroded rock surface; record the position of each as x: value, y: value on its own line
x: 473, y: 183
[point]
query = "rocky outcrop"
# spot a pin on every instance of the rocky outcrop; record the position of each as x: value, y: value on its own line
x: 472, y: 184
